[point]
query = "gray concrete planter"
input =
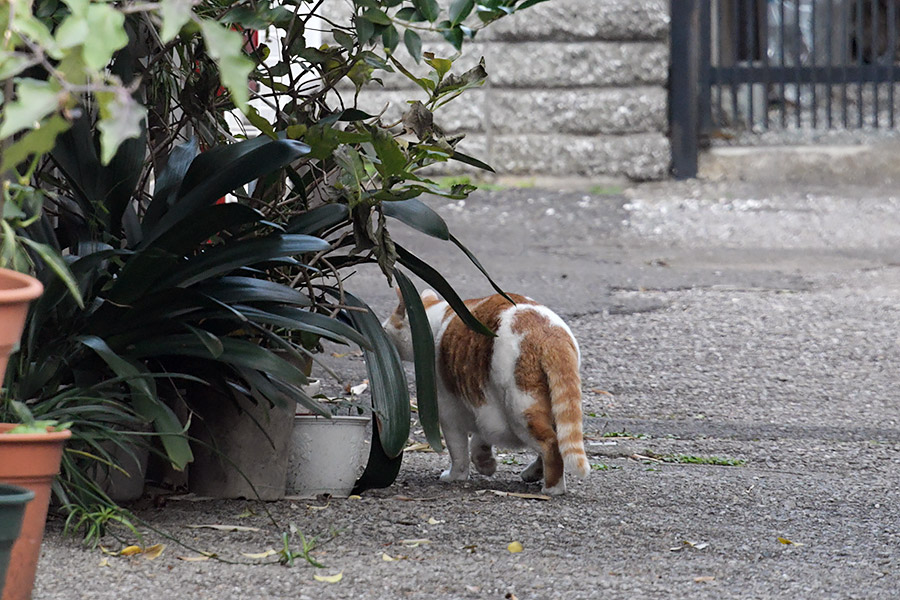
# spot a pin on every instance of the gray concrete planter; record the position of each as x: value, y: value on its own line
x: 241, y: 449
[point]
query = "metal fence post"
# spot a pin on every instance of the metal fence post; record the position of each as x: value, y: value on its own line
x: 684, y: 86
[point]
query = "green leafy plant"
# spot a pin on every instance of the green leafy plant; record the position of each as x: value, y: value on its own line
x: 130, y: 124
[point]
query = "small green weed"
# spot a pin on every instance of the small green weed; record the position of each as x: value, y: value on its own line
x: 95, y: 523
x: 603, y: 467
x: 286, y: 555
x: 690, y: 459
x: 605, y: 190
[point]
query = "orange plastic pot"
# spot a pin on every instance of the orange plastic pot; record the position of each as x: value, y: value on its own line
x: 17, y: 290
x: 31, y: 461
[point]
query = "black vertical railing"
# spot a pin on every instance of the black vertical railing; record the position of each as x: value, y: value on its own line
x: 789, y: 63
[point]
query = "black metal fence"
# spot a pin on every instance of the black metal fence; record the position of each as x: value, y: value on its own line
x: 764, y: 64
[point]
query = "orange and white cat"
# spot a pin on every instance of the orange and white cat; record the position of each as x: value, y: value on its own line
x: 520, y: 389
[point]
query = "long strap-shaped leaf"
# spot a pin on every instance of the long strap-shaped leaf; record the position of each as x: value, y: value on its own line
x: 222, y: 259
x: 146, y: 402
x: 381, y: 469
x: 423, y: 356
x: 390, y: 395
x: 239, y: 353
x: 421, y: 217
x: 153, y: 262
x: 315, y: 221
x: 428, y: 274
x: 220, y: 171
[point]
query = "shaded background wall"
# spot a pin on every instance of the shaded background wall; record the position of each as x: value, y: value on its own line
x: 575, y: 87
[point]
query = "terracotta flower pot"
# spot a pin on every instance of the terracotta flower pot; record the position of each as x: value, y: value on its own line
x: 31, y: 461
x: 13, y: 500
x: 17, y: 290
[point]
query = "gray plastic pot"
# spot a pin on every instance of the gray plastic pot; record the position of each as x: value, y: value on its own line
x: 12, y: 509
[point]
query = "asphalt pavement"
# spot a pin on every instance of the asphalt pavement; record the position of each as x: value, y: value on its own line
x: 740, y: 375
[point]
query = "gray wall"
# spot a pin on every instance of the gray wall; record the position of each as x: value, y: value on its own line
x: 576, y: 87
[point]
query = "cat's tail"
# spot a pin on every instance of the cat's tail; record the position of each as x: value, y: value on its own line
x: 561, y: 367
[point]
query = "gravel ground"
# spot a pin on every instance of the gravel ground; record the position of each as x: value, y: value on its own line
x: 733, y: 322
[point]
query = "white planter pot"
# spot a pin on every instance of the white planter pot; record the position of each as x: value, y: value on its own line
x: 326, y: 455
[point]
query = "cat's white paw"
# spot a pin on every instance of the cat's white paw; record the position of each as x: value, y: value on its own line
x: 449, y: 475
x: 557, y: 490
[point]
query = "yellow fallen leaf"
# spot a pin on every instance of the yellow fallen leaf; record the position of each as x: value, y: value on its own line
x: 433, y: 521
x: 154, y: 551
x: 314, y: 507
x: 104, y: 562
x: 704, y: 579
x: 418, y: 447
x: 130, y: 551
x: 354, y: 497
x: 106, y: 550
x: 200, y: 558
x: 387, y: 557
x: 245, y: 514
x: 788, y: 542
x: 515, y: 547
x: 263, y: 554
x: 329, y: 578
x: 415, y: 543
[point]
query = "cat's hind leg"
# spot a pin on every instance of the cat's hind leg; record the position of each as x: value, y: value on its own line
x: 533, y: 472
x: 482, y: 456
x: 457, y: 440
x: 540, y: 426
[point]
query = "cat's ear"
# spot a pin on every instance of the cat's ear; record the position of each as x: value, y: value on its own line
x: 429, y: 295
x: 401, y: 306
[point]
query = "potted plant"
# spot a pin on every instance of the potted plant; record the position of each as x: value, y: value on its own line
x: 135, y: 148
x: 13, y: 500
x: 327, y: 453
x: 30, y: 456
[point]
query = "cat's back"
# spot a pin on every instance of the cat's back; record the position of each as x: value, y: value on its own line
x: 468, y: 360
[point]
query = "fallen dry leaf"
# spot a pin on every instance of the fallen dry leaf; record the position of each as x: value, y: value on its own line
x: 152, y: 552
x: 433, y: 521
x: 104, y: 562
x: 414, y: 543
x: 788, y: 542
x: 514, y: 494
x: 515, y: 547
x: 354, y: 497
x: 218, y: 527
x: 264, y: 554
x: 130, y: 551
x: 388, y: 558
x: 357, y: 390
x: 200, y: 558
x: 418, y: 447
x: 314, y: 507
x: 704, y: 579
x: 329, y: 578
